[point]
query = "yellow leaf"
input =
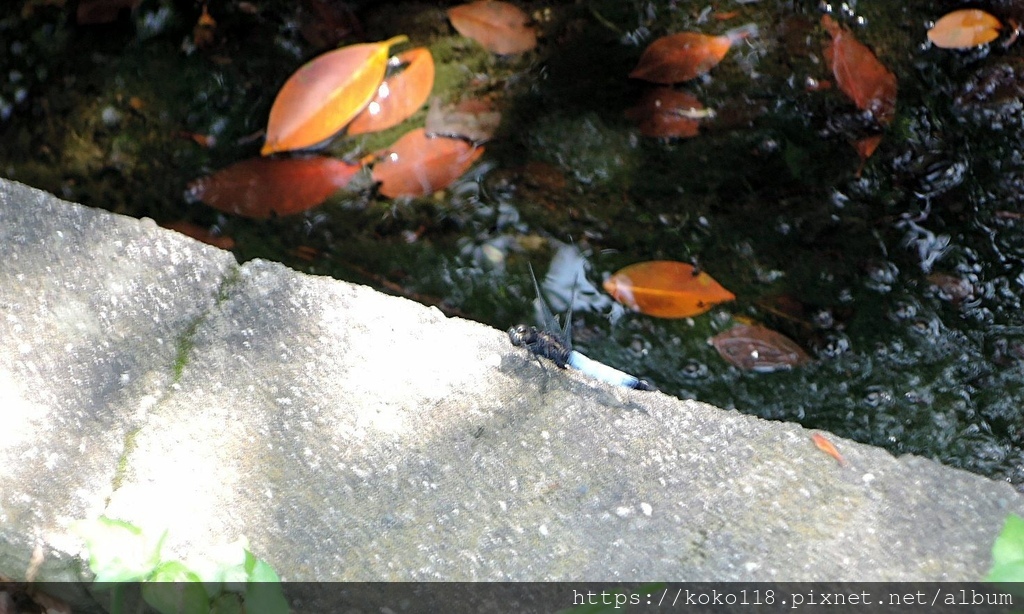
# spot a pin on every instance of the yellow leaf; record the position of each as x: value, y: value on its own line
x: 325, y: 94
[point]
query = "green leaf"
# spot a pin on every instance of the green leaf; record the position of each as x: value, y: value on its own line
x: 223, y: 570
x: 265, y: 598
x: 177, y: 591
x: 119, y: 551
x: 227, y: 603
x: 1008, y: 552
x: 1009, y: 572
x: 173, y: 571
x: 261, y: 571
x: 263, y: 593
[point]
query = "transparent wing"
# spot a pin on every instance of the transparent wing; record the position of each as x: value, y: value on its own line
x: 548, y: 321
x: 567, y: 327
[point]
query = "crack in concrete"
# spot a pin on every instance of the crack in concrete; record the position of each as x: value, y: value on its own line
x: 183, y: 345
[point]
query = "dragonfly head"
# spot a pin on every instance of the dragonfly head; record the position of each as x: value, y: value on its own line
x: 522, y: 335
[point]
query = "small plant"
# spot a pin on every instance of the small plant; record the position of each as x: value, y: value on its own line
x: 1008, y: 552
x: 120, y: 552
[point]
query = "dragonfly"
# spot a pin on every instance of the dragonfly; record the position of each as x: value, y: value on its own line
x: 556, y: 346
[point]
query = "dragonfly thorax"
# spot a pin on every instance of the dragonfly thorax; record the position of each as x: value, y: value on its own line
x: 541, y: 343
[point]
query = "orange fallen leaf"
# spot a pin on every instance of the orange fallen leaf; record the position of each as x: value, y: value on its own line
x: 964, y: 29
x: 201, y: 234
x: 205, y: 31
x: 680, y: 57
x: 756, y: 348
x: 416, y: 164
x: 827, y: 447
x: 865, y: 148
x: 399, y: 95
x: 859, y: 74
x: 305, y: 252
x: 666, y: 289
x: 666, y: 113
x: 817, y: 85
x: 500, y: 27
x: 325, y: 94
x: 262, y: 187
x: 203, y: 140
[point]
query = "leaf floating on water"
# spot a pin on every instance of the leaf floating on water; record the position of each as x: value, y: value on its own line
x: 500, y: 27
x: 859, y: 74
x: 827, y: 447
x: 666, y: 113
x: 204, y: 33
x: 399, y: 95
x: 416, y: 165
x: 680, y: 57
x: 865, y: 148
x: 666, y: 289
x: 964, y: 29
x: 474, y: 120
x: 201, y: 234
x: 756, y: 348
x: 262, y: 187
x: 687, y: 55
x: 325, y: 94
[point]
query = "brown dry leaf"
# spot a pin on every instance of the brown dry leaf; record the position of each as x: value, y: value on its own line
x: 680, y: 57
x: 416, y: 164
x: 756, y: 348
x: 263, y: 187
x: 859, y: 74
x: 667, y: 113
x: 500, y: 27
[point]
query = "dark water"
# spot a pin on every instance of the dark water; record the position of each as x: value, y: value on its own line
x: 904, y: 283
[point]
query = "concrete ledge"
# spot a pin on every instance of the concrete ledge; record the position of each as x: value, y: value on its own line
x: 351, y: 435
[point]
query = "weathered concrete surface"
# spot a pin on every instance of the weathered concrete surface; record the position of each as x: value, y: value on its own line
x: 351, y: 435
